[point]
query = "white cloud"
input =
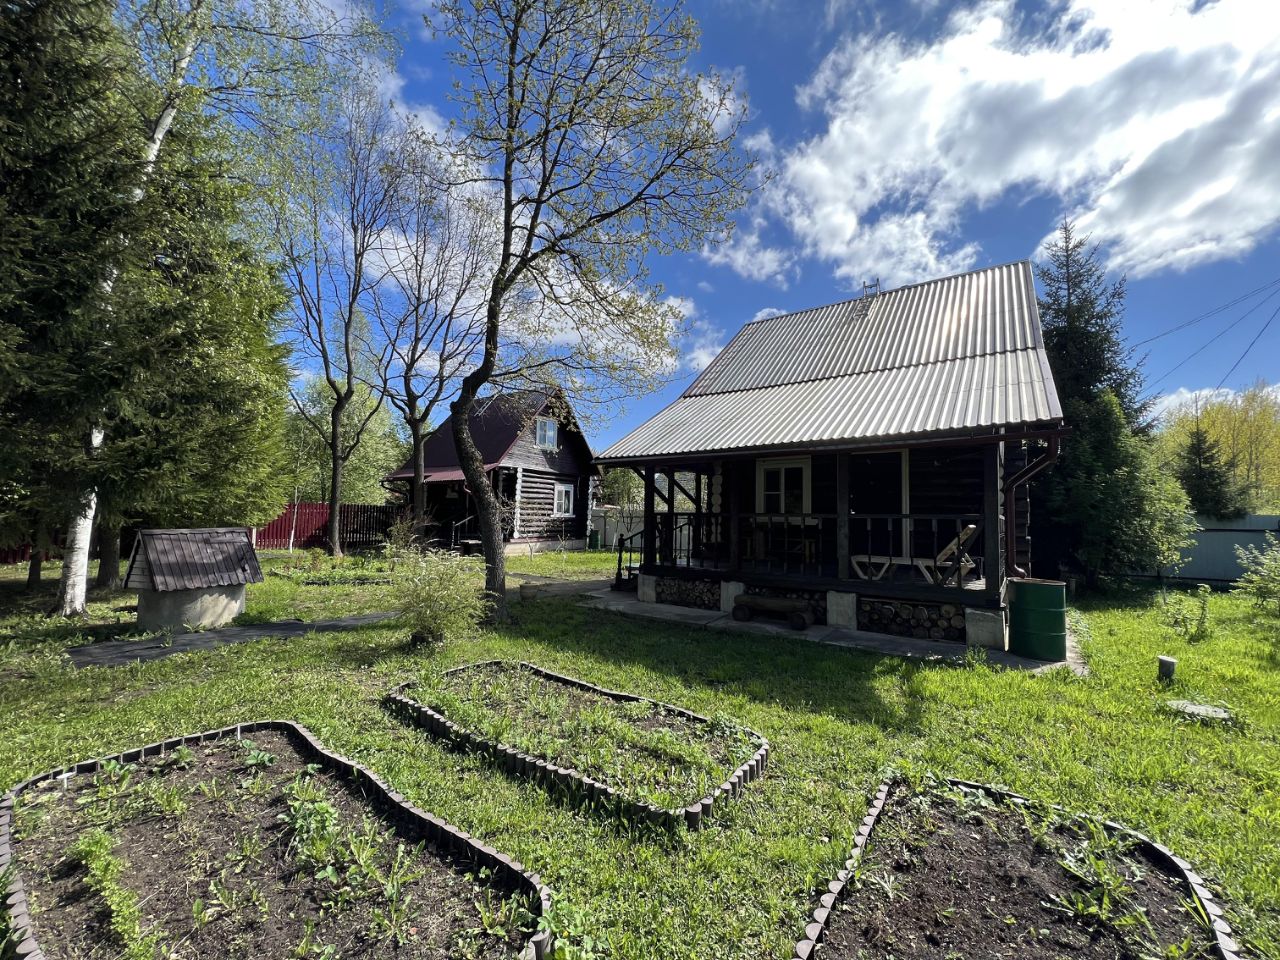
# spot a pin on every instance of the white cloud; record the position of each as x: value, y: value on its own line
x: 705, y: 344
x: 702, y: 340
x: 1184, y: 397
x: 1156, y: 123
x: 725, y: 95
x: 706, y: 287
x: 749, y: 256
x: 766, y: 313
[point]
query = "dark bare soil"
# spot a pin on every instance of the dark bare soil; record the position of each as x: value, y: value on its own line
x: 949, y: 876
x: 239, y: 850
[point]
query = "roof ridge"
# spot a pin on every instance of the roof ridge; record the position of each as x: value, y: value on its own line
x: 885, y: 293
x: 861, y: 373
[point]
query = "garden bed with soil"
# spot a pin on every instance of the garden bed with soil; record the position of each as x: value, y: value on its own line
x: 964, y: 871
x: 641, y: 759
x: 250, y: 841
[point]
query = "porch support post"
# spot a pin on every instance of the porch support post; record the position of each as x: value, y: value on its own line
x: 731, y: 486
x: 843, y: 462
x: 668, y: 545
x: 648, y: 539
x: 993, y: 565
x: 695, y: 538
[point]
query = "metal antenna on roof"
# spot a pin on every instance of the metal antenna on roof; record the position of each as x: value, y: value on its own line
x: 871, y: 289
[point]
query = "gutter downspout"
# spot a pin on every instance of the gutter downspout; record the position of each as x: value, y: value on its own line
x: 1011, y: 506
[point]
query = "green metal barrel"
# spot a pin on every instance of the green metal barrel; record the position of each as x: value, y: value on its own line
x: 1038, y: 619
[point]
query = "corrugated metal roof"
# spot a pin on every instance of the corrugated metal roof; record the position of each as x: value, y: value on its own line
x: 191, y: 559
x: 960, y: 353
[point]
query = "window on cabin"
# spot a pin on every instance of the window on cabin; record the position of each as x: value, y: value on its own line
x: 547, y: 433
x: 783, y: 486
x: 564, y: 500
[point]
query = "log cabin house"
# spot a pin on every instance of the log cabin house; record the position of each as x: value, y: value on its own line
x: 868, y: 458
x: 538, y: 461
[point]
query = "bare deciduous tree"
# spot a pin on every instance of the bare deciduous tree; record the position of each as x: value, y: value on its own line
x: 330, y: 231
x: 584, y: 118
x: 429, y: 311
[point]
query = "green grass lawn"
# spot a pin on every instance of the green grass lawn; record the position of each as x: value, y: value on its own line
x: 567, y: 564
x: 838, y: 721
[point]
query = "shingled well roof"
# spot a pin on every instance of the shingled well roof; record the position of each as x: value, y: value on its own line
x: 957, y: 355
x: 192, y: 559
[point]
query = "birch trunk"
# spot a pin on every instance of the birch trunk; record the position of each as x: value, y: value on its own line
x: 73, y: 585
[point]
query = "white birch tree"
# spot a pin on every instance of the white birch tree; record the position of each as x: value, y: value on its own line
x: 254, y: 61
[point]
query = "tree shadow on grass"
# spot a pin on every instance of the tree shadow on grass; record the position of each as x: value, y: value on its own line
x: 793, y: 673
x: 25, y: 619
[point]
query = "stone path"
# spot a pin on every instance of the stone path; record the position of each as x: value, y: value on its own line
x: 115, y: 653
x: 628, y: 605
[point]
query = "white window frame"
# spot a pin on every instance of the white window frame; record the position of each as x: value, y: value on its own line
x: 555, y: 503
x: 552, y: 429
x: 782, y: 463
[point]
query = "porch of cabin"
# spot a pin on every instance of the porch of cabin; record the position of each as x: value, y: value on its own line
x: 921, y: 524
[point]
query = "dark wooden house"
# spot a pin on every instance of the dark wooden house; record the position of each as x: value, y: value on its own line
x: 867, y: 458
x: 537, y: 460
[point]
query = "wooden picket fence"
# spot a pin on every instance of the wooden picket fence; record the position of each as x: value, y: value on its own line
x: 305, y: 526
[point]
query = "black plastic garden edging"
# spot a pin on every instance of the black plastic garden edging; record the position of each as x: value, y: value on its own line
x: 416, y: 824
x: 577, y: 784
x: 1225, y: 945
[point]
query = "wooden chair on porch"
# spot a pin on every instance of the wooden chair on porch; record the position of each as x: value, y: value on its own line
x: 952, y: 562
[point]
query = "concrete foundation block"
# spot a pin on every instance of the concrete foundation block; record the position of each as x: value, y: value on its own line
x: 986, y: 628
x: 176, y: 609
x: 647, y: 588
x: 730, y: 590
x: 842, y: 609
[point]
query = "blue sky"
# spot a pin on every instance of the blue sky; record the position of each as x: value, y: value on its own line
x: 915, y: 139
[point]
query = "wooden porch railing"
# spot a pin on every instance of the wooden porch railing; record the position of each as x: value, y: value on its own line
x: 942, y: 549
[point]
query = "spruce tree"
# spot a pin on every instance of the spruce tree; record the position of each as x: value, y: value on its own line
x: 1209, y: 479
x: 1082, y: 314
x: 1106, y: 508
x: 68, y: 172
x: 197, y: 437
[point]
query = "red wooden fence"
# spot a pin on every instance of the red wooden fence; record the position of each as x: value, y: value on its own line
x: 359, y: 525
x: 15, y: 554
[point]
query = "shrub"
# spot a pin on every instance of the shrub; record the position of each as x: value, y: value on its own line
x: 1189, y: 615
x: 440, y: 593
x: 1261, y: 579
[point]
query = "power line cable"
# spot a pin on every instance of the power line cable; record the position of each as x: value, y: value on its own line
x: 1217, y: 336
x: 1274, y: 313
x: 1211, y: 313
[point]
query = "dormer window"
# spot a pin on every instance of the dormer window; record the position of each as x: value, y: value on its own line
x: 547, y: 434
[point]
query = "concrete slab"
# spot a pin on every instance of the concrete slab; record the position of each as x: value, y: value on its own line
x: 1200, y: 711
x: 534, y: 589
x: 629, y: 605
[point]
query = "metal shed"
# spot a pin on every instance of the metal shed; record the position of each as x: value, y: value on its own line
x: 191, y: 577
